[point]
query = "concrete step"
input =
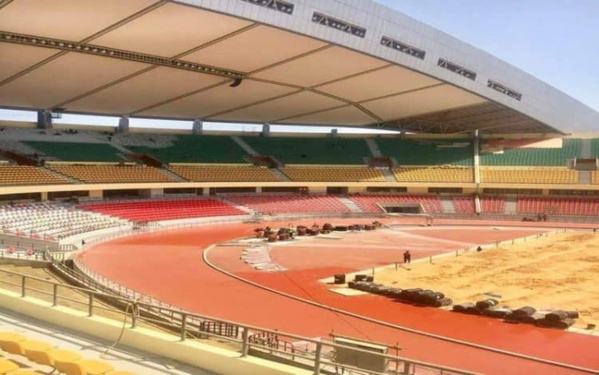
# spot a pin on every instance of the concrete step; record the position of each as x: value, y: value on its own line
x: 173, y: 175
x: 447, y: 204
x: 389, y: 176
x: 280, y: 175
x: 245, y: 146
x: 374, y: 148
x: 585, y: 177
x: 511, y: 206
x: 353, y: 207
x: 73, y: 180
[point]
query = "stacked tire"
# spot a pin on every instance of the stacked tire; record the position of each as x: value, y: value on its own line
x: 483, y: 307
x: 558, y: 319
x: 426, y: 297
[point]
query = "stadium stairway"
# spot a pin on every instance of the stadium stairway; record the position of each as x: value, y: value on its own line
x: 447, y: 204
x: 511, y: 206
x: 173, y: 175
x: 58, y: 174
x: 245, y: 146
x: 585, y: 177
x: 374, y: 148
x: 280, y: 175
x: 585, y: 149
x: 234, y: 204
x: 353, y: 207
x: 120, y: 148
x: 388, y: 174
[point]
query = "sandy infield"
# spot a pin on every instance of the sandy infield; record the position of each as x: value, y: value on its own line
x: 559, y: 271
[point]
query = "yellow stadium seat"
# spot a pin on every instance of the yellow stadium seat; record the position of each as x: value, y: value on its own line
x: 7, y: 366
x: 83, y: 367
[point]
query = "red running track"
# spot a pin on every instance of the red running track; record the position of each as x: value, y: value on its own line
x: 186, y: 281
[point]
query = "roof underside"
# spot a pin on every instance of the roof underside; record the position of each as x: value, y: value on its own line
x: 161, y: 59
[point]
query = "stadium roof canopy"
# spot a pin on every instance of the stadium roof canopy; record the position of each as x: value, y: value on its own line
x: 321, y: 62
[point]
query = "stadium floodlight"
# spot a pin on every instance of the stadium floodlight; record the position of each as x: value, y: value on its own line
x: 91, y: 49
x: 236, y: 82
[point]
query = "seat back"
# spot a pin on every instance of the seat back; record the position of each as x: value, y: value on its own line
x: 69, y: 367
x: 40, y: 357
x: 13, y: 347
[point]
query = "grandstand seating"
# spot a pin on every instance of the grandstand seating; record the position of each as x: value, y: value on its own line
x: 17, y: 147
x: 50, y: 221
x: 495, y: 205
x: 224, y: 173
x: 288, y: 203
x: 534, y: 156
x: 196, y: 149
x: 558, y: 206
x: 529, y: 176
x: 428, y: 152
x: 595, y: 177
x: 594, y: 147
x: 44, y: 353
x: 295, y: 150
x: 28, y: 175
x: 368, y: 202
x: 112, y: 173
x: 463, y: 205
x: 434, y: 174
x: 157, y: 210
x: 341, y: 174
x: 75, y: 151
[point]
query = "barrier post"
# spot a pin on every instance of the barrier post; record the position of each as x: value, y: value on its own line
x: 183, y: 326
x: 90, y: 306
x: 245, y: 335
x: 54, y: 294
x: 134, y: 310
x: 317, y: 356
x: 23, y: 278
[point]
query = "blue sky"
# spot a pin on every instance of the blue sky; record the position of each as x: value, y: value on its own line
x: 556, y: 41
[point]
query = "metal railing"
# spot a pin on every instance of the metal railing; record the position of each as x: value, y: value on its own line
x: 318, y: 355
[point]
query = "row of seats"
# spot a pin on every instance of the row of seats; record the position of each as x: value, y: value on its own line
x: 28, y: 175
x: 112, y: 173
x: 463, y: 205
x: 428, y: 152
x: 558, y: 206
x: 223, y: 173
x: 196, y: 149
x: 287, y: 203
x: 74, y: 151
x: 67, y: 362
x: 50, y: 221
x: 158, y: 210
x: 571, y: 148
x: 333, y: 174
x: 495, y: 205
x: 370, y: 202
x: 457, y: 175
x: 529, y: 176
x: 312, y: 150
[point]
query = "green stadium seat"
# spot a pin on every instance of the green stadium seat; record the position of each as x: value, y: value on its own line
x: 297, y: 150
x: 197, y: 149
x: 74, y: 151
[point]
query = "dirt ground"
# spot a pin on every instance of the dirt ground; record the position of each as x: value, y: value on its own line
x: 560, y: 271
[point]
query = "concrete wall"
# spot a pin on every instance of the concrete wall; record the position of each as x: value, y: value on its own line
x: 194, y: 353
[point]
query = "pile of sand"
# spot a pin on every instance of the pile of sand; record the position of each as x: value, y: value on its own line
x: 559, y: 271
